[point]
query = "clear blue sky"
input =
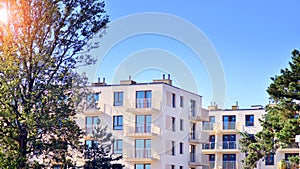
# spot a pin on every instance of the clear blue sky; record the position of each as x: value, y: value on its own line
x: 253, y: 40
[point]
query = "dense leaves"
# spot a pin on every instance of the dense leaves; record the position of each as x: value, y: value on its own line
x: 40, y: 45
x: 281, y: 123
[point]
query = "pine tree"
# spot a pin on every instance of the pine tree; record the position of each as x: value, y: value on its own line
x: 281, y: 123
x: 99, y: 154
x: 41, y: 44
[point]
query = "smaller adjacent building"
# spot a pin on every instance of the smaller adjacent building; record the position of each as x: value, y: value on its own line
x: 223, y: 148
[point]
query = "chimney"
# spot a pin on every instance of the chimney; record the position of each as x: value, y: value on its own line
x: 127, y: 82
x: 213, y: 106
x: 99, y: 83
x: 164, y: 80
x: 235, y: 107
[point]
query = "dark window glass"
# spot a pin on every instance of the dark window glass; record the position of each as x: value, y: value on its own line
x: 118, y: 123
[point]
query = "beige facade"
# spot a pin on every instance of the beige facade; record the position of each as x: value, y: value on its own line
x: 155, y: 125
x: 223, y: 146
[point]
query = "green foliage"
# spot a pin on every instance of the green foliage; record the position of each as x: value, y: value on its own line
x: 99, y: 154
x: 281, y: 123
x: 41, y: 44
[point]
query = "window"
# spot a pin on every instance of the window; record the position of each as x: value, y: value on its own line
x: 117, y: 146
x: 118, y: 98
x: 229, y: 141
x: 118, y: 123
x: 143, y: 148
x: 181, y: 101
x: 143, y: 99
x: 56, y: 166
x: 181, y: 124
x: 209, y: 125
x: 228, y: 122
x: 173, y: 148
x: 192, y: 153
x: 172, y: 166
x: 193, y: 108
x: 249, y: 120
x: 229, y: 161
x: 269, y: 160
x: 143, y: 123
x: 287, y: 155
x: 181, y: 148
x: 92, y: 101
x: 89, y: 146
x: 173, y: 123
x: 142, y: 166
x: 211, y: 144
x: 193, y: 131
x: 211, y: 159
x: 90, y: 124
x: 173, y: 100
x: 180, y: 167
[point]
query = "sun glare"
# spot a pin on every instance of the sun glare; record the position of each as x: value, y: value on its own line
x: 3, y: 15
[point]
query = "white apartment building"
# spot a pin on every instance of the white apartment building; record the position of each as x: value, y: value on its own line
x: 155, y: 125
x: 222, y: 147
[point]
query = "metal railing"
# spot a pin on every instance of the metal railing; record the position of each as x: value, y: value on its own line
x: 229, y: 125
x: 139, y: 153
x: 229, y: 165
x: 143, y: 103
x: 208, y: 126
x: 229, y: 145
x: 209, y: 146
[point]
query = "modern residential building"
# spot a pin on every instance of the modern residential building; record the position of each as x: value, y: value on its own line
x: 155, y: 125
x: 224, y: 126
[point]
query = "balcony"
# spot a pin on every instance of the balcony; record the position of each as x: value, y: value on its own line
x: 229, y: 165
x: 89, y: 129
x: 293, y: 147
x: 225, y: 146
x: 198, y: 160
x: 201, y: 115
x: 141, y: 155
x: 146, y: 131
x: 144, y: 105
x: 198, y: 137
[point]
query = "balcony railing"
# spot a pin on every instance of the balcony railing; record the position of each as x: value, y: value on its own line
x: 140, y: 153
x: 142, y: 130
x: 200, y: 115
x: 198, y: 159
x: 230, y: 145
x: 208, y: 126
x: 198, y: 137
x: 211, y: 164
x: 209, y: 146
x: 219, y: 146
x: 229, y: 125
x: 229, y: 165
x: 144, y: 103
x: 89, y: 129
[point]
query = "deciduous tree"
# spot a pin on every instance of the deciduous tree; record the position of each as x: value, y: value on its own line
x: 41, y: 44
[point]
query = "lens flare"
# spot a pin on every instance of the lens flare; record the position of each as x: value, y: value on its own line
x: 3, y: 15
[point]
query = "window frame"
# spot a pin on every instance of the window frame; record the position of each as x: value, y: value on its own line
x: 118, y: 98
x: 248, y: 121
x: 181, y: 101
x: 116, y: 149
x: 117, y: 126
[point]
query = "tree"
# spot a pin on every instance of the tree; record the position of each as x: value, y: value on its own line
x: 281, y: 123
x: 99, y: 152
x: 41, y: 44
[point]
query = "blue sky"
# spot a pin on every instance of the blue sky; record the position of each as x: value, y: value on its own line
x: 253, y: 40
